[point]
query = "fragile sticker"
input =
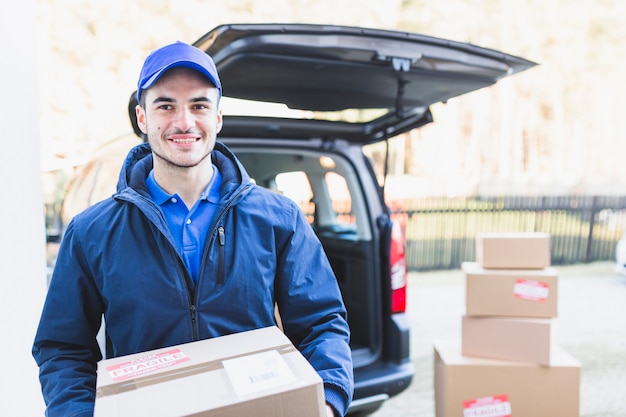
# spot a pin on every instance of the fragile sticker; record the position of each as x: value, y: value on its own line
x: 146, y: 364
x: 496, y: 406
x: 258, y: 372
x: 528, y: 289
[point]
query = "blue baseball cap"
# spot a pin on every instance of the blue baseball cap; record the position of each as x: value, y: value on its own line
x: 175, y: 55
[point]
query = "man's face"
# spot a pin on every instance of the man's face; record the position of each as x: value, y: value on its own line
x: 181, y: 119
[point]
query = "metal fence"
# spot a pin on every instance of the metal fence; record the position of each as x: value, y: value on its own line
x: 440, y: 232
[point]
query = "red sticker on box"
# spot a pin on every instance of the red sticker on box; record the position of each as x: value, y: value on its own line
x: 531, y: 290
x: 146, y: 364
x: 496, y: 406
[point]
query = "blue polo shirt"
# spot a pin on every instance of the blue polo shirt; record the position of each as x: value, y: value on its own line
x: 189, y: 227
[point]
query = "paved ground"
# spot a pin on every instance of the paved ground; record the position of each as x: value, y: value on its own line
x: 591, y: 326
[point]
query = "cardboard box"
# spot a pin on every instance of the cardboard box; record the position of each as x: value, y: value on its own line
x: 472, y: 387
x: 510, y: 292
x: 254, y: 373
x: 509, y: 338
x: 513, y: 250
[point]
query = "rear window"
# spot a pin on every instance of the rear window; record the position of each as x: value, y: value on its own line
x: 240, y: 107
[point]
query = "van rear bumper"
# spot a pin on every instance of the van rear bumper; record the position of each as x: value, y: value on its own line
x: 378, y: 382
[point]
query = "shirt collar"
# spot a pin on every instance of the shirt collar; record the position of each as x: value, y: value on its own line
x: 160, y: 196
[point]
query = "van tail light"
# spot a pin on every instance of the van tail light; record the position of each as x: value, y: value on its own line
x: 398, y: 273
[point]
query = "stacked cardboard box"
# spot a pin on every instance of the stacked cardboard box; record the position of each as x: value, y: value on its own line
x: 467, y: 386
x: 507, y: 363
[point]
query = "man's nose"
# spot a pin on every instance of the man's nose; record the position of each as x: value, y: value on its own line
x: 184, y: 119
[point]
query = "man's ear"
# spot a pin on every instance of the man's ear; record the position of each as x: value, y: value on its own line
x: 218, y: 128
x: 141, y: 118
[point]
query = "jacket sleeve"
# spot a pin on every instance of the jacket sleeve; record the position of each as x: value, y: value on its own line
x: 65, y: 346
x: 312, y: 311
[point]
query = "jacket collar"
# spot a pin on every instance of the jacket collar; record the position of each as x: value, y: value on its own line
x: 138, y: 164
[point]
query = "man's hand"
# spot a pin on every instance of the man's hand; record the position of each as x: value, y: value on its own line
x: 329, y: 411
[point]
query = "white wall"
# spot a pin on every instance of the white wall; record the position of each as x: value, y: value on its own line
x: 22, y: 239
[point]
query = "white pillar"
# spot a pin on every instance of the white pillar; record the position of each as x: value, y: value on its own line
x: 22, y: 234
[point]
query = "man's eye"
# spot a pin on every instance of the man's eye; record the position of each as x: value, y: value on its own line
x: 165, y: 107
x: 200, y: 106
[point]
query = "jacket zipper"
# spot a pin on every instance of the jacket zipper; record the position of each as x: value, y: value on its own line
x: 220, y: 258
x: 192, y: 311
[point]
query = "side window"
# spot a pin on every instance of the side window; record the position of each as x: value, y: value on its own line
x: 296, y: 186
x: 341, y: 199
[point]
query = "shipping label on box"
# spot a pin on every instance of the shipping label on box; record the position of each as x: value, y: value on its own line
x: 258, y: 372
x: 531, y: 290
x: 509, y: 338
x: 494, y: 406
x: 479, y: 387
x: 145, y: 365
x: 252, y: 373
x: 513, y: 250
x: 510, y: 292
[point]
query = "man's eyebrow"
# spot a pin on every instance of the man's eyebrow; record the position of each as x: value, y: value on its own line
x: 201, y: 99
x: 163, y: 100
x: 171, y: 100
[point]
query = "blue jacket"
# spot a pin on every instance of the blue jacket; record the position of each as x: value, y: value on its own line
x: 118, y: 259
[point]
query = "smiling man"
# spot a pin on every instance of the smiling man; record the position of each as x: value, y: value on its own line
x: 188, y: 248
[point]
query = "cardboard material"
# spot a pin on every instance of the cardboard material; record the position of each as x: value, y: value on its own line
x: 510, y: 292
x: 509, y: 338
x: 513, y: 250
x: 254, y: 373
x: 472, y: 387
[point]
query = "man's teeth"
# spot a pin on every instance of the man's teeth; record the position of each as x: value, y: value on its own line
x: 190, y: 140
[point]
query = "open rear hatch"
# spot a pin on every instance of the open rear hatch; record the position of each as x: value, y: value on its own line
x: 360, y: 84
